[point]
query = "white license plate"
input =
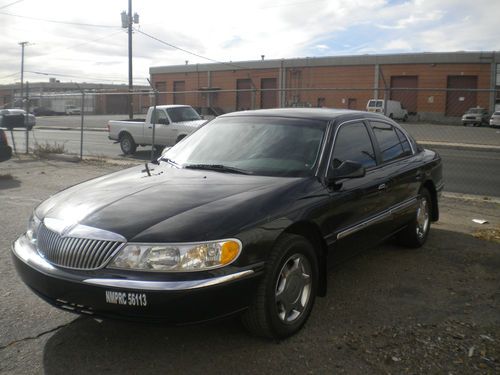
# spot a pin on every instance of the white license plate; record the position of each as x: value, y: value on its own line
x: 126, y: 298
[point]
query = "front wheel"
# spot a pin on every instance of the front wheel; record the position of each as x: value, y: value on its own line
x: 286, y: 295
x: 417, y: 231
x: 127, y: 144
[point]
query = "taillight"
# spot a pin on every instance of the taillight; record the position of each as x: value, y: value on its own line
x: 3, y: 137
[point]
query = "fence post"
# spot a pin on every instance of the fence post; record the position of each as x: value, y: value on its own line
x: 82, y: 115
x: 153, y: 120
x: 26, y: 117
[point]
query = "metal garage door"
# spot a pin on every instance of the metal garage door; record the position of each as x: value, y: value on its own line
x: 408, y: 98
x: 459, y: 101
x: 268, y: 99
x: 243, y: 98
x: 179, y: 98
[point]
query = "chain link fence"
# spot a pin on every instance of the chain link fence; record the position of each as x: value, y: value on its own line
x: 454, y: 121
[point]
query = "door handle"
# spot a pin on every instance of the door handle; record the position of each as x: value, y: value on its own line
x: 382, y: 187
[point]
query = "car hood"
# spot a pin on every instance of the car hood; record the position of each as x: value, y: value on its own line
x: 174, y: 205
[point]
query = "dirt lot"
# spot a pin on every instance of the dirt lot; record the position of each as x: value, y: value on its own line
x: 388, y: 310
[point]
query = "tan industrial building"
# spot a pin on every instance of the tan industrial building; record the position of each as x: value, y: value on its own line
x: 433, y: 86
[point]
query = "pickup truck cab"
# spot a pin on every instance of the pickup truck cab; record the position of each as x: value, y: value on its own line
x: 172, y: 123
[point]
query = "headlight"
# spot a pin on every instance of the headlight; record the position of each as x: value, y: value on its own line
x: 177, y: 257
x: 33, y: 226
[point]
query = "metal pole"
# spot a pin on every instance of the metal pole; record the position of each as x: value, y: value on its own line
x: 153, y: 120
x: 26, y: 117
x: 82, y: 114
x: 130, y: 83
x: 22, y: 44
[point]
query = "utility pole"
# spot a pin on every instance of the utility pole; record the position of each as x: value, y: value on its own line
x: 22, y: 44
x: 127, y: 20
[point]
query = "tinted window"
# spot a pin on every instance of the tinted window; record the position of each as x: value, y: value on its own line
x: 404, y: 142
x: 353, y: 143
x: 390, y: 145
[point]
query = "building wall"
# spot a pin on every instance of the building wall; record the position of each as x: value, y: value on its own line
x: 345, y: 83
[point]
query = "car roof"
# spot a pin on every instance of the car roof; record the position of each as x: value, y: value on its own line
x: 171, y: 106
x: 324, y: 114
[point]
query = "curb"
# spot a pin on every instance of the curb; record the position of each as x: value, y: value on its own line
x: 471, y: 197
x: 460, y: 146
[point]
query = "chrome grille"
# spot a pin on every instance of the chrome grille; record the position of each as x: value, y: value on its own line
x: 74, y: 252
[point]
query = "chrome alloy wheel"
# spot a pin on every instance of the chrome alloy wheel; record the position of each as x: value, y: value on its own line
x: 422, y: 218
x: 126, y: 145
x: 293, y: 288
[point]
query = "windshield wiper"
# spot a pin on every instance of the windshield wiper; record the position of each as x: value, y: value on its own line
x: 216, y: 167
x: 169, y: 161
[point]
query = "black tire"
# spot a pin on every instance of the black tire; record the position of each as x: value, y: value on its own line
x: 180, y: 138
x: 391, y: 116
x: 286, y: 294
x: 417, y: 231
x: 127, y: 144
x: 405, y: 118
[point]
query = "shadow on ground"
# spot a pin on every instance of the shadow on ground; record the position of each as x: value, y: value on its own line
x: 386, y: 310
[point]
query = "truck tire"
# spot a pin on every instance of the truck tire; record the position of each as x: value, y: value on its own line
x: 127, y: 144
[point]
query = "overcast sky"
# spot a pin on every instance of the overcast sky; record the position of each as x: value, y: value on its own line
x: 83, y: 40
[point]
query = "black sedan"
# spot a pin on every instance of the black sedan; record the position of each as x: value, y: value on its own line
x: 240, y: 217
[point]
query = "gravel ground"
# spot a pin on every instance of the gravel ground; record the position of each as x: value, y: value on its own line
x: 388, y: 310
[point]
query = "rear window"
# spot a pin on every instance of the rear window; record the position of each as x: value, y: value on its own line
x: 375, y: 103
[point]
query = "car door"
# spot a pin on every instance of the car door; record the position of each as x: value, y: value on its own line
x: 396, y: 163
x: 357, y: 213
x: 165, y: 131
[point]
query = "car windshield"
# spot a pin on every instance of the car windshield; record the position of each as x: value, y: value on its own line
x: 181, y: 114
x: 267, y: 146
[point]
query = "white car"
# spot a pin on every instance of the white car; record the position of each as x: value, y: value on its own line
x: 72, y: 110
x: 495, y: 119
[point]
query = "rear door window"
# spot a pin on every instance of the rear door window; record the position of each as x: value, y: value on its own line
x: 391, y: 144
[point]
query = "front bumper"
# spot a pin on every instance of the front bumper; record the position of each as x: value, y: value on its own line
x: 129, y: 296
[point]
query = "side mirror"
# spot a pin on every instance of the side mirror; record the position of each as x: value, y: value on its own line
x: 163, y: 121
x: 348, y: 169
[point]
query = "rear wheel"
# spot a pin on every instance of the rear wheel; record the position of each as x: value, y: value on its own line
x: 417, y: 231
x: 286, y: 295
x: 127, y: 144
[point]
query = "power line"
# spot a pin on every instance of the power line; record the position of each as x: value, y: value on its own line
x: 10, y: 75
x: 188, y: 52
x: 78, y: 45
x: 8, y: 5
x: 56, y: 21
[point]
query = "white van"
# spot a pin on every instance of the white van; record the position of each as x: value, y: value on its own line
x: 394, y: 108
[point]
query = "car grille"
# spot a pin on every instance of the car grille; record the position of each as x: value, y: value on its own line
x: 73, y: 252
